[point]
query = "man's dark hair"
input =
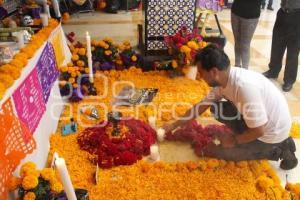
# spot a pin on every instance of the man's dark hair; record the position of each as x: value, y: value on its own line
x: 212, y: 56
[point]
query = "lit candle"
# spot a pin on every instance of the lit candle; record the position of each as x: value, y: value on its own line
x: 44, y: 18
x: 56, y: 8
x: 89, y: 56
x: 216, y: 141
x: 160, y: 134
x: 20, y: 38
x: 154, y: 153
x: 152, y: 122
x: 65, y: 178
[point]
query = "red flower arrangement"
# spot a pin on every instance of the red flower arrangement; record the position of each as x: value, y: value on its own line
x: 130, y: 145
x: 183, y: 47
x: 198, y: 135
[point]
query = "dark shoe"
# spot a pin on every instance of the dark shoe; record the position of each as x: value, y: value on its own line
x: 270, y: 74
x: 270, y: 8
x: 286, y: 87
x: 289, y: 160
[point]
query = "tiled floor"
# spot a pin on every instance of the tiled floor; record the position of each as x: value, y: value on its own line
x: 123, y: 26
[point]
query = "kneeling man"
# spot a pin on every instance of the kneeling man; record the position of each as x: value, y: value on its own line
x: 250, y: 105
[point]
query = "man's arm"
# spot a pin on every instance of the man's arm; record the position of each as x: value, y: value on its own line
x: 191, y: 114
x: 249, y: 135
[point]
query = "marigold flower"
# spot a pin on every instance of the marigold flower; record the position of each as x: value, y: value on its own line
x: 193, y: 45
x: 174, y: 64
x: 75, y: 57
x: 82, y: 51
x: 80, y: 63
x: 70, y: 64
x: 56, y: 186
x: 134, y: 58
x: 30, y: 182
x: 48, y: 174
x: 263, y: 183
x: 71, y: 80
x: 108, y: 52
x: 29, y: 196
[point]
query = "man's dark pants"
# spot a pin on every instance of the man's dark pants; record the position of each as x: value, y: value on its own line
x: 286, y: 35
x: 254, y: 150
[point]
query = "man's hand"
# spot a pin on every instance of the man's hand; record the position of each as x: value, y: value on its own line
x: 227, y: 141
x: 169, y: 127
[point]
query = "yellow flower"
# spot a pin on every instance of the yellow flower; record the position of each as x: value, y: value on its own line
x: 75, y: 85
x: 295, y: 130
x: 71, y: 80
x: 56, y: 186
x: 121, y: 47
x: 108, y: 52
x: 48, y: 174
x: 93, y: 48
x: 185, y: 49
x: 87, y: 70
x: 30, y: 182
x: 107, y: 39
x: 102, y: 44
x: 94, y: 42
x: 28, y: 166
x: 64, y: 69
x: 193, y: 45
x: 134, y: 58
x: 212, y: 163
x: 80, y: 63
x: 73, y: 74
x: 75, y: 57
x: 29, y: 196
x: 106, y: 46
x: 82, y: 51
x: 70, y: 64
x: 126, y: 43
x: 119, y: 62
x: 263, y: 183
x: 174, y: 64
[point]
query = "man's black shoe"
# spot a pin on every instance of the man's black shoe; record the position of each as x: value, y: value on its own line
x: 289, y: 160
x: 270, y: 74
x: 287, y: 87
x: 270, y: 8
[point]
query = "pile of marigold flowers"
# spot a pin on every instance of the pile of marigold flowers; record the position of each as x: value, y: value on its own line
x: 295, y: 130
x: 36, y: 184
x: 12, y: 71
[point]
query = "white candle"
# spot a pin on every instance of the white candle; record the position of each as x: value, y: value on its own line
x: 46, y: 8
x: 152, y: 122
x: 65, y: 178
x: 20, y: 38
x: 160, y: 134
x: 44, y: 18
x: 56, y: 8
x: 154, y: 153
x: 216, y: 141
x: 89, y: 56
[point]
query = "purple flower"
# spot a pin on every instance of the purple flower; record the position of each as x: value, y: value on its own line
x: 106, y: 66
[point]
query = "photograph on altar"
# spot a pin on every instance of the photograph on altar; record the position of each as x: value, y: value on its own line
x: 132, y: 99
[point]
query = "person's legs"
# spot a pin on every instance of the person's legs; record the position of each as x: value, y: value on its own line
x: 256, y: 150
x: 279, y: 43
x: 270, y: 5
x: 263, y: 4
x: 248, y: 27
x: 235, y: 24
x: 293, y: 48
